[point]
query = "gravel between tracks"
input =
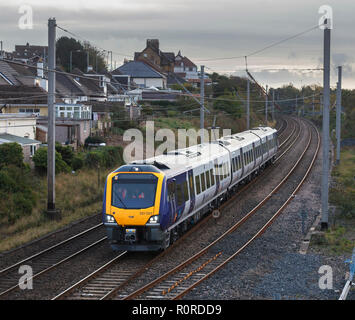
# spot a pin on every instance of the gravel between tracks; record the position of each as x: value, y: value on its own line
x: 232, y: 213
x: 272, y: 268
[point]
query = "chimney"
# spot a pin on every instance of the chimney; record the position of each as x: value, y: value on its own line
x: 153, y: 43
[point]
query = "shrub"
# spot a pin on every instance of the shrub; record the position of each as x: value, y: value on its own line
x: 106, y: 157
x: 40, y: 161
x: 11, y: 153
x: 66, y: 152
x: 77, y: 162
x: 93, y: 159
x: 111, y: 156
x: 16, y: 195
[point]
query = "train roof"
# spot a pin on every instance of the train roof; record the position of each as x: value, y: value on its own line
x: 173, y: 162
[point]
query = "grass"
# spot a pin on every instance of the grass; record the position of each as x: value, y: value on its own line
x: 77, y: 196
x: 340, y: 238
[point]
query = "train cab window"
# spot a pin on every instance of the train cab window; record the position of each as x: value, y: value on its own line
x: 186, y: 191
x: 208, y: 181
x: 212, y: 177
x: 179, y: 195
x: 198, y: 186
x: 203, y: 181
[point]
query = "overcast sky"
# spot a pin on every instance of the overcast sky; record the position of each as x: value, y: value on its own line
x: 202, y: 29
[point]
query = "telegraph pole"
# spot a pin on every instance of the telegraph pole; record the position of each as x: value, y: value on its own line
x: 52, y: 212
x: 248, y: 104
x: 338, y: 115
x: 202, y: 102
x: 266, y: 103
x: 325, y: 127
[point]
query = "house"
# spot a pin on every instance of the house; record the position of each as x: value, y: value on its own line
x: 141, y: 74
x: 29, y: 52
x: 152, y: 53
x: 20, y: 128
x: 185, y: 68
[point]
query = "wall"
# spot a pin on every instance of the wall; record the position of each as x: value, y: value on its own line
x: 22, y: 127
x: 148, y: 82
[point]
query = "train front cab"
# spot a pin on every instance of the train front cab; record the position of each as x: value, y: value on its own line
x: 134, y: 208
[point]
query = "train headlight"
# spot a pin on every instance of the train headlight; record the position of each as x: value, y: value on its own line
x: 110, y: 218
x: 153, y: 219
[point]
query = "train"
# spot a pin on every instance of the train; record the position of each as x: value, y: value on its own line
x: 149, y: 204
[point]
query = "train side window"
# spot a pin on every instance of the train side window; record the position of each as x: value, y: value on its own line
x: 212, y: 176
x: 198, y: 186
x: 233, y: 164
x: 208, y: 181
x: 179, y: 195
x: 203, y: 182
x: 186, y: 192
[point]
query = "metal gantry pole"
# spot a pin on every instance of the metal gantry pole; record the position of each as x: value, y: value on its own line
x: 325, y: 127
x: 296, y: 105
x: 273, y: 105
x: 51, y: 116
x: 248, y: 104
x: 202, y: 102
x: 338, y: 115
x: 313, y: 105
x: 266, y: 103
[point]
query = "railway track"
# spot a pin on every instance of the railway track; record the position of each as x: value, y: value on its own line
x: 52, y: 257
x: 180, y: 280
x: 89, y: 287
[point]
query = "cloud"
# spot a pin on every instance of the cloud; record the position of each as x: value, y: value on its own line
x: 200, y: 28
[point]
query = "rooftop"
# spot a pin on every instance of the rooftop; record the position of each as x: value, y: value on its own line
x: 8, y: 138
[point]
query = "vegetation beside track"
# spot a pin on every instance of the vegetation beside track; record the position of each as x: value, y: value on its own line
x: 340, y: 238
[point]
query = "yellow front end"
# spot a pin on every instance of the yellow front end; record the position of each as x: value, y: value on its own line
x: 133, y: 217
x: 131, y: 210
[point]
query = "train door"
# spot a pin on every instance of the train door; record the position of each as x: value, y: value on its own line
x: 192, y: 190
x: 172, y: 199
x: 216, y: 174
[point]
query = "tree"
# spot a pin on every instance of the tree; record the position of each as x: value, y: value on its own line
x: 79, y: 53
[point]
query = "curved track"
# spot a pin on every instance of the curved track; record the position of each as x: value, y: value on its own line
x: 107, y: 281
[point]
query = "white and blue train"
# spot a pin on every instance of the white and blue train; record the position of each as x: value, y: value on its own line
x: 148, y: 204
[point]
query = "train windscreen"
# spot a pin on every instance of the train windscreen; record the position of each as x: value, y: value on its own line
x: 134, y: 191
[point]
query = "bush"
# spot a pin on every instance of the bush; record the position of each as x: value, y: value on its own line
x: 93, y: 159
x: 111, y: 156
x: 106, y: 157
x: 16, y: 195
x: 77, y: 162
x: 40, y: 161
x: 11, y: 153
x: 66, y: 152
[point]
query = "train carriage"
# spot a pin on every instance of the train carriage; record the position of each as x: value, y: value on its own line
x: 148, y: 204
